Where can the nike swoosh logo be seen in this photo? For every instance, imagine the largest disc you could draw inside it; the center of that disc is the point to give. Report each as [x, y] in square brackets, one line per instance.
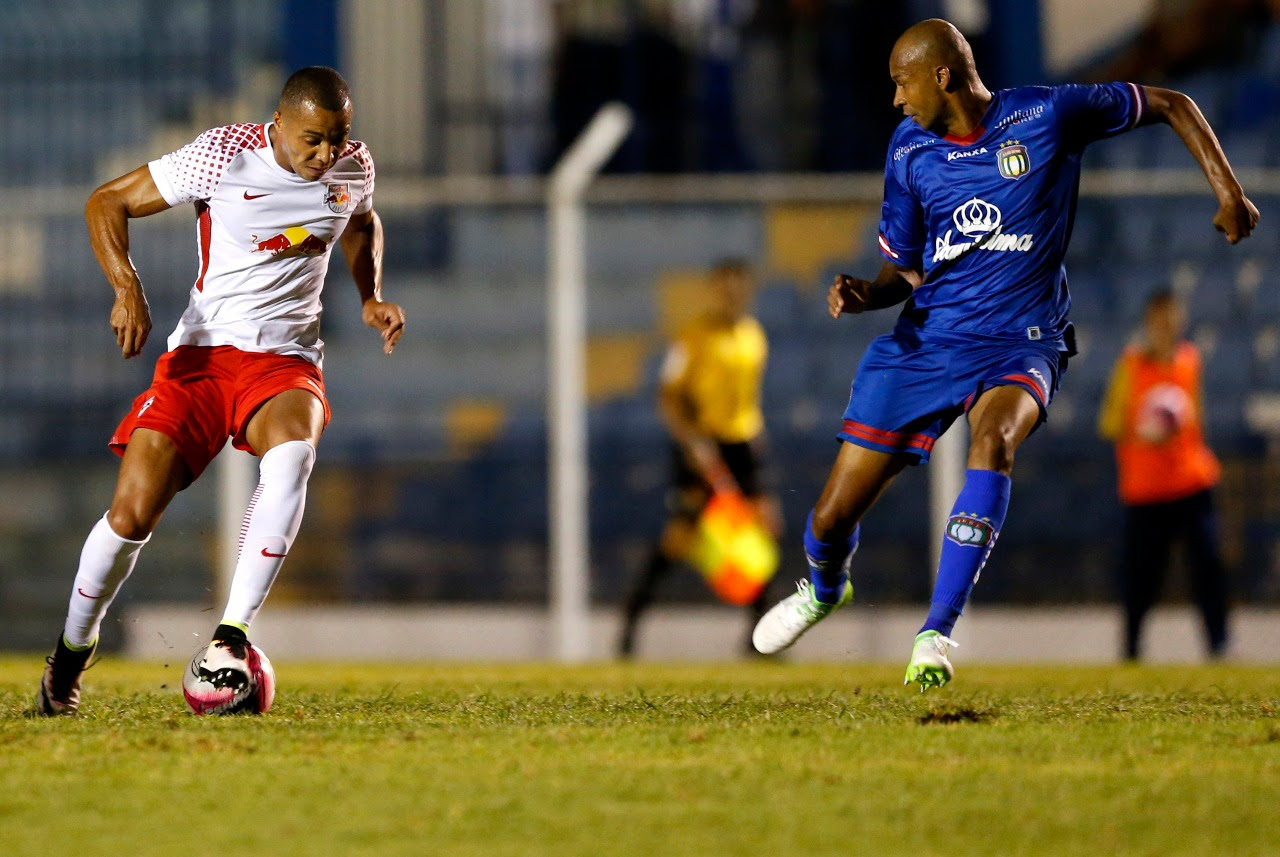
[248, 195]
[87, 595]
[268, 553]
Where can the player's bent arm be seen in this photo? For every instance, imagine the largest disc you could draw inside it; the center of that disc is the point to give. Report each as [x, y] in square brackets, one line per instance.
[362, 243]
[1114, 400]
[107, 214]
[1236, 216]
[699, 450]
[892, 286]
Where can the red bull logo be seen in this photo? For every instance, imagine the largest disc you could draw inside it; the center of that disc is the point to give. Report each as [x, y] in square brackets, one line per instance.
[295, 241]
[337, 196]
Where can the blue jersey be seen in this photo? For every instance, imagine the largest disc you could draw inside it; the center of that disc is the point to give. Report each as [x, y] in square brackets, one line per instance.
[1011, 188]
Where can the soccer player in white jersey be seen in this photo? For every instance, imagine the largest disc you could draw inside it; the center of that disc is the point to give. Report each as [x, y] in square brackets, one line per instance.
[245, 359]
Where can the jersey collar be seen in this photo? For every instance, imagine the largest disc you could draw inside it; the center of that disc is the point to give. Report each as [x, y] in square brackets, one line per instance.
[979, 130]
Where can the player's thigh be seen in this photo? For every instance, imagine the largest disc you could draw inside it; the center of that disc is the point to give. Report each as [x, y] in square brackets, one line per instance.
[152, 472]
[857, 479]
[999, 421]
[296, 414]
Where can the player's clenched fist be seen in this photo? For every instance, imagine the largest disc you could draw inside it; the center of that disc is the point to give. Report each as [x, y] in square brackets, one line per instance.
[1237, 217]
[130, 321]
[848, 294]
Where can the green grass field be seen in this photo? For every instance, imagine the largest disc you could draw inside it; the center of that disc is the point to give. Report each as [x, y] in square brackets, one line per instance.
[757, 758]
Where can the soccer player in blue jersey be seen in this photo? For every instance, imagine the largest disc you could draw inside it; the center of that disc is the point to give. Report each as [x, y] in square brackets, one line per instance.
[980, 192]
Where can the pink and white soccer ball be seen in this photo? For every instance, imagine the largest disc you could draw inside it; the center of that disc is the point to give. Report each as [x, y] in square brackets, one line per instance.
[1164, 410]
[223, 684]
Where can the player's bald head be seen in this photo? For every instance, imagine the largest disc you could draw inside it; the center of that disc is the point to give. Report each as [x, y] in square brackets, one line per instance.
[316, 85]
[936, 43]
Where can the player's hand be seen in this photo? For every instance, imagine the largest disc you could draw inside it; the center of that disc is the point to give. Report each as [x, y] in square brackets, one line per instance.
[131, 320]
[706, 460]
[848, 294]
[387, 318]
[1237, 217]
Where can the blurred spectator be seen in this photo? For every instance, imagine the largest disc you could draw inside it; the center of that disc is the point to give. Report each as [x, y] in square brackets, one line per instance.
[622, 50]
[1152, 412]
[714, 28]
[519, 36]
[1182, 36]
[855, 113]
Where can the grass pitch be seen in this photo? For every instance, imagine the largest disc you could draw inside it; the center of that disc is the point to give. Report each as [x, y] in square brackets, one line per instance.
[757, 758]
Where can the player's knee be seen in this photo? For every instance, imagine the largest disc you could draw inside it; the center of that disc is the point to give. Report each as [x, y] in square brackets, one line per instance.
[993, 448]
[131, 522]
[291, 461]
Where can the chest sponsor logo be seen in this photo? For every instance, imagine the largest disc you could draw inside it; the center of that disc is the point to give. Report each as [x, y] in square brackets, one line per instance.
[1013, 160]
[1026, 114]
[902, 151]
[981, 223]
[296, 241]
[337, 196]
[959, 154]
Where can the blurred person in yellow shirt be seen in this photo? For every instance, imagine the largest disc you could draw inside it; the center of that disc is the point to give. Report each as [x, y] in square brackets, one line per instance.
[709, 401]
[1153, 413]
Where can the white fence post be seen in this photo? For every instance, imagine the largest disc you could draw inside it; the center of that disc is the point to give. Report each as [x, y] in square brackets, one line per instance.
[569, 548]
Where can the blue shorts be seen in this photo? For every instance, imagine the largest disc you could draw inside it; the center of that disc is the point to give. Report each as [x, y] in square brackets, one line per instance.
[908, 391]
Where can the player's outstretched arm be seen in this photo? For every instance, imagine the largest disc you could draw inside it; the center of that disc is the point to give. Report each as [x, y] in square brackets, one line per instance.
[892, 286]
[1236, 216]
[362, 245]
[107, 212]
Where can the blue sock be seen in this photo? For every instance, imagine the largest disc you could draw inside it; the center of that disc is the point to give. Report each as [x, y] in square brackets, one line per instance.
[972, 529]
[826, 562]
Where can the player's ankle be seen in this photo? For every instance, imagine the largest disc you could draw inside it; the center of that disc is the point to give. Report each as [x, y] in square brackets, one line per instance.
[229, 632]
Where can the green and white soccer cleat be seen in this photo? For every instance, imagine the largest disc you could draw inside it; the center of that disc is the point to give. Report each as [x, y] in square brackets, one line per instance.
[929, 665]
[792, 616]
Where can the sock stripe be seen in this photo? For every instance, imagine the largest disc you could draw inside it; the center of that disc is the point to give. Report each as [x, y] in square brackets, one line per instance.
[248, 518]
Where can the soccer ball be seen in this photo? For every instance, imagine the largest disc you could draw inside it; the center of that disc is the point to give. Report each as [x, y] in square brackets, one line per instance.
[221, 681]
[1164, 411]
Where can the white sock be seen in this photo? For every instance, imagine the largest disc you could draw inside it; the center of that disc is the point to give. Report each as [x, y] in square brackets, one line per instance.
[270, 525]
[105, 564]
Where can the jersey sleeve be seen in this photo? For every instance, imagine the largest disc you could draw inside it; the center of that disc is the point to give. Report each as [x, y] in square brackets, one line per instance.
[361, 154]
[194, 171]
[902, 234]
[675, 364]
[1095, 112]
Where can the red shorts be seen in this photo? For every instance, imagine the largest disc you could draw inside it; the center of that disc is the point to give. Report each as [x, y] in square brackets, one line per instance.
[202, 395]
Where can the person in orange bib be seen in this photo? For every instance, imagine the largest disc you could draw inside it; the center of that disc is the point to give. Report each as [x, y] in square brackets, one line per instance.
[1152, 412]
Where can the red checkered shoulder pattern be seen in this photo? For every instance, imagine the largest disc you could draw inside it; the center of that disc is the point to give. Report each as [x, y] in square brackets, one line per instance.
[196, 168]
[359, 151]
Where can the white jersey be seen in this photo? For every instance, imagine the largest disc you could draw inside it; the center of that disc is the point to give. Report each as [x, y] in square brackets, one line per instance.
[264, 235]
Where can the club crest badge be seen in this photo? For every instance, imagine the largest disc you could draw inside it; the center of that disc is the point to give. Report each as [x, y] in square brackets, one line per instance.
[1013, 160]
[969, 530]
[337, 196]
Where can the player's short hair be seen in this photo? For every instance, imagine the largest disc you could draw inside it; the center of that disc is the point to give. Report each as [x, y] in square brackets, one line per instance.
[732, 265]
[318, 85]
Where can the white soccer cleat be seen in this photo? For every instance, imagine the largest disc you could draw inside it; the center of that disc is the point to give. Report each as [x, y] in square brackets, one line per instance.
[787, 620]
[929, 665]
[225, 664]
